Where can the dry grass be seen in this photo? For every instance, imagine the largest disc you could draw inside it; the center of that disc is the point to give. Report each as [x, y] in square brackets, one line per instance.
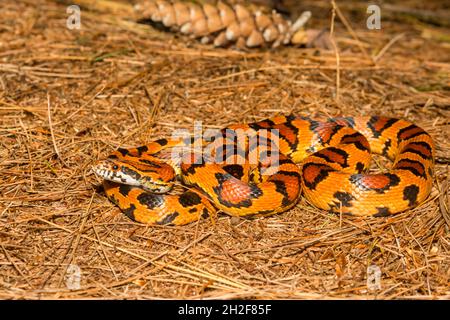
[68, 98]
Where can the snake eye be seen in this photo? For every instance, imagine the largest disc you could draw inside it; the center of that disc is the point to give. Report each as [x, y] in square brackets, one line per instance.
[115, 167]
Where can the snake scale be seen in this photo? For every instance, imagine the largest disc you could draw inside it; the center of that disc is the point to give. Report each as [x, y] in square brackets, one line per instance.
[326, 160]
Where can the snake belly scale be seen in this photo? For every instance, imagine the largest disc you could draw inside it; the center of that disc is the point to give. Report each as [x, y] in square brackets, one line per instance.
[326, 160]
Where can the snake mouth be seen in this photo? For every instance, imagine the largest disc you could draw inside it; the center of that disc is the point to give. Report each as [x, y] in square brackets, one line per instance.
[100, 171]
[111, 171]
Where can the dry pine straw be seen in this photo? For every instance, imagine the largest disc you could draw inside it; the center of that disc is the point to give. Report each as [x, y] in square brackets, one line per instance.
[68, 98]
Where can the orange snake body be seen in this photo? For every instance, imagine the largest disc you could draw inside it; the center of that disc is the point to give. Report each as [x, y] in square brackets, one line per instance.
[327, 160]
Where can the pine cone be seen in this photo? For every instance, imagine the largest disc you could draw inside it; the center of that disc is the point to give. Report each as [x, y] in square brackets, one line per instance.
[223, 24]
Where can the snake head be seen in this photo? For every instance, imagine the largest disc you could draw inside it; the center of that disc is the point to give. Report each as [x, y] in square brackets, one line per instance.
[154, 177]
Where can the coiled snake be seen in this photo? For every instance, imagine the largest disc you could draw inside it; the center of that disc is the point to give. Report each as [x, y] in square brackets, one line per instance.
[333, 158]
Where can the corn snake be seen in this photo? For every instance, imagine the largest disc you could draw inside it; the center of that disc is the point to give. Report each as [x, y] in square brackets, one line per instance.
[327, 160]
